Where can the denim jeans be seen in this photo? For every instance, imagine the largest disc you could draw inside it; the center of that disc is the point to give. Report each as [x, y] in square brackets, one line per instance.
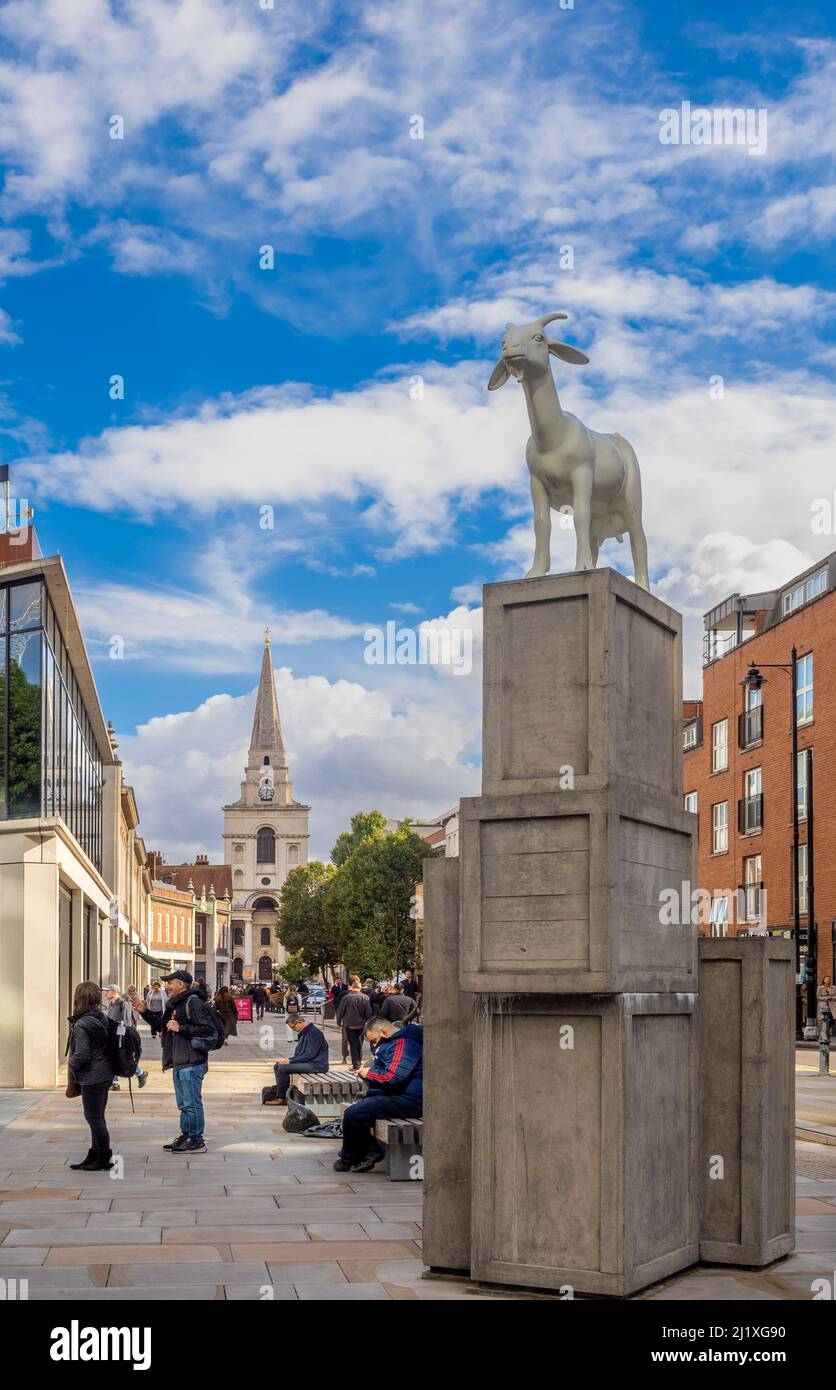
[187, 1087]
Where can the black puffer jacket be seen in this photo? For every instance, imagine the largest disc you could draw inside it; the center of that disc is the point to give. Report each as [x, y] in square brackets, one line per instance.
[88, 1058]
[192, 1013]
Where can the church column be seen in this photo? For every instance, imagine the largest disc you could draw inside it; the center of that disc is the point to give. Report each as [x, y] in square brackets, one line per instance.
[249, 963]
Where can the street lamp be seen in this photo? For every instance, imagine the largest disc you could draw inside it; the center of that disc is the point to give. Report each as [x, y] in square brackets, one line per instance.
[753, 680]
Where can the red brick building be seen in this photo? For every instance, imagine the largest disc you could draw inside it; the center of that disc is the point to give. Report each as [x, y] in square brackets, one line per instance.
[738, 760]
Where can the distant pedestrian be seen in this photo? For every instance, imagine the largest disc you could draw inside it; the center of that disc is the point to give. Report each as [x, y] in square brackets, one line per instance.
[826, 1002]
[410, 984]
[89, 1066]
[186, 1021]
[394, 1005]
[259, 1000]
[354, 1011]
[225, 1005]
[155, 1002]
[122, 1010]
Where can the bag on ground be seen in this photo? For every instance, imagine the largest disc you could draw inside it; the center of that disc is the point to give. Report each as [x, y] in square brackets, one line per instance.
[298, 1118]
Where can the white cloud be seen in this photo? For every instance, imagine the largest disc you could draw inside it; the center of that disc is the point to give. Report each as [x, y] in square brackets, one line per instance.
[349, 749]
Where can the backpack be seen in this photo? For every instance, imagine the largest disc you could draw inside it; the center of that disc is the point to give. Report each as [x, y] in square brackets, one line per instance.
[124, 1047]
[218, 1023]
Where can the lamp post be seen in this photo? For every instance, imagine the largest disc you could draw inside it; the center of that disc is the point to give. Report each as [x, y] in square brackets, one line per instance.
[753, 680]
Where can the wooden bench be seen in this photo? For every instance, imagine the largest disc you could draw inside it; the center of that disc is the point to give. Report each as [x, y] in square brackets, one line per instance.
[325, 1092]
[402, 1139]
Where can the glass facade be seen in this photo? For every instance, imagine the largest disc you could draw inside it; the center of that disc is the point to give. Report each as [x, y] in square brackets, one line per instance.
[49, 762]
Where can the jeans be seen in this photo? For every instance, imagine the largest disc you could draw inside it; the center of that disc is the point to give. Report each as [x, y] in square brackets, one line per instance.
[187, 1092]
[285, 1072]
[358, 1121]
[93, 1103]
[355, 1045]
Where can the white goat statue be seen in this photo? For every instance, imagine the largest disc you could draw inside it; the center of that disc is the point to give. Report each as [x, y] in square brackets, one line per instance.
[597, 475]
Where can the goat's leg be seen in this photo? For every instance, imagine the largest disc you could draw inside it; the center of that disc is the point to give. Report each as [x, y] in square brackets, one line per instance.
[542, 529]
[582, 509]
[638, 545]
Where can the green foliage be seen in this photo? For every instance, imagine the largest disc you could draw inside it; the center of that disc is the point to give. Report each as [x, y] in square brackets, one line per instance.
[24, 744]
[294, 968]
[364, 825]
[302, 928]
[370, 901]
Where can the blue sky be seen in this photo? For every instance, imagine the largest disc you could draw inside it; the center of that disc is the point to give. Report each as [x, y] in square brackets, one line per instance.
[394, 258]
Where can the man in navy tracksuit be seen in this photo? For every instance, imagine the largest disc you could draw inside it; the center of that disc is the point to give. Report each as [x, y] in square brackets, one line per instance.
[310, 1054]
[396, 1092]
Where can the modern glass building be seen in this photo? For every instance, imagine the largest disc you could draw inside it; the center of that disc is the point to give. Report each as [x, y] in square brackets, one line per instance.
[50, 764]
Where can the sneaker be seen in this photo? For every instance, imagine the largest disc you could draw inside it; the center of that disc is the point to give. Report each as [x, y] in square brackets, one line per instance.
[142, 1078]
[366, 1164]
[177, 1144]
[192, 1146]
[115, 1086]
[340, 1166]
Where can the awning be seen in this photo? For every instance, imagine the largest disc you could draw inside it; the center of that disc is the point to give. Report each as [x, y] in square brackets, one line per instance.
[150, 960]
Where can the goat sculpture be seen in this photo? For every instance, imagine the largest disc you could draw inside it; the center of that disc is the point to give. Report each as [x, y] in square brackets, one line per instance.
[570, 465]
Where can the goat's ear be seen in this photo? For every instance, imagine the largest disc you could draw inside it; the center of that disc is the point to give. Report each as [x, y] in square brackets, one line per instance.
[569, 354]
[499, 376]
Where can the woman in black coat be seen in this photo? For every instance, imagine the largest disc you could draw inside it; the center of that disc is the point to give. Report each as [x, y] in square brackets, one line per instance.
[225, 1005]
[91, 1068]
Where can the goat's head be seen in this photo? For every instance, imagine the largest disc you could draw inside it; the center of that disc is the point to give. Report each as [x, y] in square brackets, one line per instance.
[525, 352]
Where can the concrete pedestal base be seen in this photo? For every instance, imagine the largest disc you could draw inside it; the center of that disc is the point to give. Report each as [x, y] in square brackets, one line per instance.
[747, 1086]
[585, 1134]
[448, 1050]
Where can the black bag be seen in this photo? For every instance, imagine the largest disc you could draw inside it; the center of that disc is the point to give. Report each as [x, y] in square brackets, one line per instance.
[298, 1118]
[269, 1093]
[124, 1047]
[219, 1024]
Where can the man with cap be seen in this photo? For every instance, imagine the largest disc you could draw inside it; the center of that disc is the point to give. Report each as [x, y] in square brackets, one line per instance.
[186, 1021]
[119, 1007]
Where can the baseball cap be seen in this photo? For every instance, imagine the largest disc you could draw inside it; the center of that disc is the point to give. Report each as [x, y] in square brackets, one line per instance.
[179, 975]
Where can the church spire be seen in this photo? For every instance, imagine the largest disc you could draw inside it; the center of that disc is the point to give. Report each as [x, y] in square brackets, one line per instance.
[266, 738]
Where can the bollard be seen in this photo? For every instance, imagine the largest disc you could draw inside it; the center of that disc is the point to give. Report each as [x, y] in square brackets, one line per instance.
[824, 1045]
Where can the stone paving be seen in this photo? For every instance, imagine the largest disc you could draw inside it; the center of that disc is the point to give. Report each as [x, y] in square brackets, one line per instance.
[262, 1214]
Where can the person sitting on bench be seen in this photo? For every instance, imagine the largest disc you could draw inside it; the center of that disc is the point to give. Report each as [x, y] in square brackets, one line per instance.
[311, 1054]
[396, 1092]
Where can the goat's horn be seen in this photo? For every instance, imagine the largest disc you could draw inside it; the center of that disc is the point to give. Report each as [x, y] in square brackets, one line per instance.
[547, 318]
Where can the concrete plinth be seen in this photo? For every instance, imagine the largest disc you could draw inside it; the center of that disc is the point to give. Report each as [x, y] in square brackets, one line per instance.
[581, 671]
[563, 892]
[585, 1140]
[447, 1075]
[747, 1082]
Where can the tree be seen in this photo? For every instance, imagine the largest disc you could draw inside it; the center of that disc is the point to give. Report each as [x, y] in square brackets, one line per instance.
[364, 825]
[302, 928]
[370, 902]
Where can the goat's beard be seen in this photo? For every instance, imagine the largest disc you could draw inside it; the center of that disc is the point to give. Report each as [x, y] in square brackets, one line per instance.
[516, 370]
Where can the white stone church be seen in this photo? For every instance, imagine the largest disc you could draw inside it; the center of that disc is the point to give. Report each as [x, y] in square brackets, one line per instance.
[265, 836]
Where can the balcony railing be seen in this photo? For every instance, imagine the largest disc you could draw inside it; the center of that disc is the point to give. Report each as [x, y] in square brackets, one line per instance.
[750, 727]
[717, 644]
[750, 814]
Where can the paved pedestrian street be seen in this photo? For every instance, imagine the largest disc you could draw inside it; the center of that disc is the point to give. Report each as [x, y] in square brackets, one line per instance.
[263, 1215]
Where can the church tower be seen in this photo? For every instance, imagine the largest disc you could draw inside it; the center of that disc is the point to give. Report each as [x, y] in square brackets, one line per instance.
[265, 836]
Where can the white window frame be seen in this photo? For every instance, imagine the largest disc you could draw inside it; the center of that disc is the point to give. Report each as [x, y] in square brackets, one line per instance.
[720, 746]
[719, 915]
[720, 827]
[752, 879]
[805, 592]
[804, 695]
[692, 802]
[801, 778]
[689, 736]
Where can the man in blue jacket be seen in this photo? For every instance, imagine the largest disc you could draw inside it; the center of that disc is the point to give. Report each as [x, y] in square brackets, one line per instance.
[310, 1054]
[396, 1092]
